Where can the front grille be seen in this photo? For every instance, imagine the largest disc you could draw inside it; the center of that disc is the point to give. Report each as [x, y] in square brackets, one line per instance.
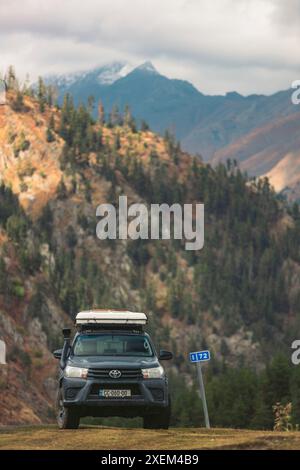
[94, 373]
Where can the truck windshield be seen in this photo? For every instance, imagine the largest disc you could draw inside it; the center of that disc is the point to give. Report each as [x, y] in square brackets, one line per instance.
[112, 345]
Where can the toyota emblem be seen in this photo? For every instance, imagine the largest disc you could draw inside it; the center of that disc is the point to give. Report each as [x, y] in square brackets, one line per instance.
[115, 374]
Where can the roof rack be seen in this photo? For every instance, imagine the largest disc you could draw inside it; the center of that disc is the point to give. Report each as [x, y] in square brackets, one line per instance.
[113, 318]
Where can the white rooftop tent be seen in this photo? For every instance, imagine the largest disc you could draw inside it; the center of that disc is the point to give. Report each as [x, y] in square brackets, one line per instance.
[110, 317]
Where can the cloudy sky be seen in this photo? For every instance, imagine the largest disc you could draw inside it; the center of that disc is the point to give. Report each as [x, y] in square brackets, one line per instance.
[218, 45]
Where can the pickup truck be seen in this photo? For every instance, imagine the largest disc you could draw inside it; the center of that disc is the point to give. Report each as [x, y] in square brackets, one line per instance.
[111, 368]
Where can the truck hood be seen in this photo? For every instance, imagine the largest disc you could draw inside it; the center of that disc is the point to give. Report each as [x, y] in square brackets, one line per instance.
[111, 362]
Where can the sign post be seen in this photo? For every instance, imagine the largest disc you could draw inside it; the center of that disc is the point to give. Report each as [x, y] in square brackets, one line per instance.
[198, 357]
[2, 352]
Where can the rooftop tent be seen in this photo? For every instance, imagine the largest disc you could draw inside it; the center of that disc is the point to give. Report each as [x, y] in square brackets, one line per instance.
[110, 317]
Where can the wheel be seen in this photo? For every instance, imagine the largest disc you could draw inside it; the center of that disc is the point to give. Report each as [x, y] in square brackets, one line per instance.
[67, 418]
[158, 421]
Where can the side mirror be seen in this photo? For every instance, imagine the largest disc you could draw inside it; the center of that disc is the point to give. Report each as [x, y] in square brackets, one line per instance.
[66, 333]
[57, 354]
[165, 355]
[66, 348]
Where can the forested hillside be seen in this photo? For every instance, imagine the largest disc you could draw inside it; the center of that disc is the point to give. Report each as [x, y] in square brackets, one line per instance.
[239, 296]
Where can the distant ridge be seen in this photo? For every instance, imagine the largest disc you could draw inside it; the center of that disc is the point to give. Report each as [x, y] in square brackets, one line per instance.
[217, 127]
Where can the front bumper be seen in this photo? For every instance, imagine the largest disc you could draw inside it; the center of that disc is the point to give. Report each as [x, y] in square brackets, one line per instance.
[147, 395]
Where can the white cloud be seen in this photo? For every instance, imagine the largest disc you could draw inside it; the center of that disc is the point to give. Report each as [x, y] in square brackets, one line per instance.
[219, 45]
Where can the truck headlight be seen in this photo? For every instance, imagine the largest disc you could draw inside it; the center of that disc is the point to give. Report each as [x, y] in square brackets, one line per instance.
[76, 372]
[153, 373]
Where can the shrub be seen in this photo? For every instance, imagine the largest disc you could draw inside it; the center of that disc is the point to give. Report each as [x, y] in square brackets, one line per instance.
[18, 290]
[16, 227]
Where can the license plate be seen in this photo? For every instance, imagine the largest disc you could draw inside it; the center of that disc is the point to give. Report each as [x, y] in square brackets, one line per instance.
[114, 393]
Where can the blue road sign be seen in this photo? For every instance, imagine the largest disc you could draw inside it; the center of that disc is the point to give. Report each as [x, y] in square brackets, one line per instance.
[200, 356]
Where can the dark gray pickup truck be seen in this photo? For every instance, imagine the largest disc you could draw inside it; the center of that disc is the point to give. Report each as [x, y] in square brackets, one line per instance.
[111, 368]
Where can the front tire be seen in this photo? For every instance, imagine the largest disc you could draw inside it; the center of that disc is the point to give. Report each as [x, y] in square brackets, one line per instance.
[159, 421]
[67, 418]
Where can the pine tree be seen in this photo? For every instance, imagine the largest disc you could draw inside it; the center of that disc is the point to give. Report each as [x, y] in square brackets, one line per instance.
[11, 80]
[51, 95]
[129, 120]
[18, 103]
[91, 104]
[27, 90]
[61, 190]
[144, 126]
[49, 135]
[52, 123]
[114, 116]
[67, 114]
[101, 113]
[41, 94]
[127, 115]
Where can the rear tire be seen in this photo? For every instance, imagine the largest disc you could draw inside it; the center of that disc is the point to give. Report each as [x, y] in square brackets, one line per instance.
[67, 418]
[158, 421]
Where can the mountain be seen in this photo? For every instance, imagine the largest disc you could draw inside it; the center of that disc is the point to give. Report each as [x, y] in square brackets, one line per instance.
[163, 103]
[272, 150]
[239, 296]
[256, 130]
[285, 176]
[237, 117]
[203, 123]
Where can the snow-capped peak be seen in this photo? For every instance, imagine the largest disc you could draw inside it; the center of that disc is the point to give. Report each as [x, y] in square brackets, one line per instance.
[147, 67]
[103, 75]
[113, 72]
[64, 80]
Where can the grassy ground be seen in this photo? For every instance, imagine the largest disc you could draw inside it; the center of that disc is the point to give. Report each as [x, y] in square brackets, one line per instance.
[102, 438]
